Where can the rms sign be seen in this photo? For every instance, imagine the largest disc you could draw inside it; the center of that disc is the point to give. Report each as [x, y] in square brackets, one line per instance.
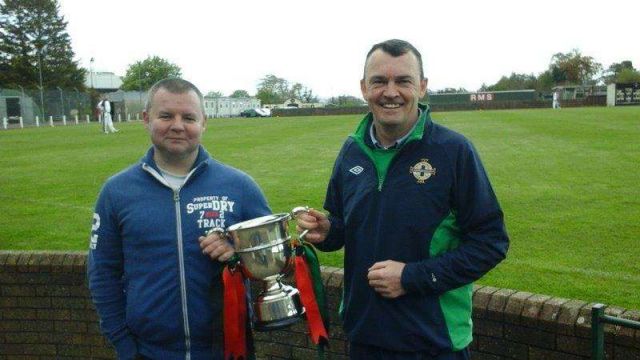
[482, 97]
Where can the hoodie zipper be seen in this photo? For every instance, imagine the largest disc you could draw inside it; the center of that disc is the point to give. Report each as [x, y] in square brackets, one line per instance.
[183, 281]
[391, 163]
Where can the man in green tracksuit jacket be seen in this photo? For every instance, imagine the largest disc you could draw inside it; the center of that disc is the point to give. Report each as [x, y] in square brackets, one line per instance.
[412, 205]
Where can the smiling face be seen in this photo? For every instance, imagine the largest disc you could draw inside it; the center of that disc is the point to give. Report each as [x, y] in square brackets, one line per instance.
[392, 86]
[175, 123]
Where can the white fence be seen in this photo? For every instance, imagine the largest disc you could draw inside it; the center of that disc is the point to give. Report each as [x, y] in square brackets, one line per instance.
[51, 121]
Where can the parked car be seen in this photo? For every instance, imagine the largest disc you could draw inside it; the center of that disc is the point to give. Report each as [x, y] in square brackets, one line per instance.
[259, 112]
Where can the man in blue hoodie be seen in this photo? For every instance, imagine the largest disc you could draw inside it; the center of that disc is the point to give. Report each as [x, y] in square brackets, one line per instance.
[411, 203]
[154, 278]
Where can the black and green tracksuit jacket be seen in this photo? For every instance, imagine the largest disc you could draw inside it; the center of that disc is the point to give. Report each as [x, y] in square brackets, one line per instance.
[430, 205]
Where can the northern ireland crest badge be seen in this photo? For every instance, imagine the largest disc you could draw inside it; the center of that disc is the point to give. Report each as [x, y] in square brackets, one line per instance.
[422, 170]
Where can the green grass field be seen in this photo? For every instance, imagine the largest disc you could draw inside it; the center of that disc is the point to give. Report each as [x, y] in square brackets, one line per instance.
[567, 181]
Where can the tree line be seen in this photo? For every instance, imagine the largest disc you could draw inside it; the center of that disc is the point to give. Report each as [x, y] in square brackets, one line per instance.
[572, 68]
[35, 50]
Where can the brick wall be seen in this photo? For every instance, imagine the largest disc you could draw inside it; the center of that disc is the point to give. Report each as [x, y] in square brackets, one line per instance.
[45, 309]
[46, 312]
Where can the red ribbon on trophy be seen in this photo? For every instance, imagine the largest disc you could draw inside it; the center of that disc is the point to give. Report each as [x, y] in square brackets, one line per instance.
[235, 314]
[305, 284]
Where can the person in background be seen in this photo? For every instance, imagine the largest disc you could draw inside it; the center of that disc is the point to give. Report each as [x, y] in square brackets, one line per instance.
[105, 113]
[556, 99]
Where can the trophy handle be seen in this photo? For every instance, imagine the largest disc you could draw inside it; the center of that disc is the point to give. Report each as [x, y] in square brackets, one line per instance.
[297, 210]
[218, 230]
[235, 259]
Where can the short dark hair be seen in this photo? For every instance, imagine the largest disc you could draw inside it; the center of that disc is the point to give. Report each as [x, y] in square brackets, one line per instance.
[174, 86]
[395, 48]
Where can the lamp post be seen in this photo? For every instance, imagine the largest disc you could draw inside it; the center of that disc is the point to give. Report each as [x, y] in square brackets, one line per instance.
[140, 85]
[21, 101]
[91, 72]
[40, 50]
[61, 101]
[92, 106]
[78, 102]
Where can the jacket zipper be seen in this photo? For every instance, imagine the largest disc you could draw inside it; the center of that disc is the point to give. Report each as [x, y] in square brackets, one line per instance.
[393, 160]
[183, 281]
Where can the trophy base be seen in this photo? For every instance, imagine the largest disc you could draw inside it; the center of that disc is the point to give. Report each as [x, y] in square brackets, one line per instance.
[277, 324]
[277, 309]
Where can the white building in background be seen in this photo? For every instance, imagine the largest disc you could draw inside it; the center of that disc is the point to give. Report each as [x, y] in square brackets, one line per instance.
[293, 103]
[130, 105]
[132, 102]
[215, 107]
[102, 81]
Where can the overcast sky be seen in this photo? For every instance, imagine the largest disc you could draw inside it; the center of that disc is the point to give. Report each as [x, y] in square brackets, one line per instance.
[232, 44]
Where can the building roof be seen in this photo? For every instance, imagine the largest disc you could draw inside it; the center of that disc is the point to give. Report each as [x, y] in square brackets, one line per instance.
[102, 80]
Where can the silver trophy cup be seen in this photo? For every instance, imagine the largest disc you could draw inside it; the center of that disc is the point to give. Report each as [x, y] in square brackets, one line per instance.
[266, 254]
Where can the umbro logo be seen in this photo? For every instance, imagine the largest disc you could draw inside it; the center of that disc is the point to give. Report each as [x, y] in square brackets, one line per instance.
[356, 170]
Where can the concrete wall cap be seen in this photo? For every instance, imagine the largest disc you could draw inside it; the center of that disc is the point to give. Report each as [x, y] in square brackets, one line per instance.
[23, 260]
[3, 257]
[515, 304]
[533, 305]
[326, 272]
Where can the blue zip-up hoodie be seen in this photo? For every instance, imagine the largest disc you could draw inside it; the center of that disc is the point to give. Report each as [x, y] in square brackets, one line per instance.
[434, 210]
[156, 293]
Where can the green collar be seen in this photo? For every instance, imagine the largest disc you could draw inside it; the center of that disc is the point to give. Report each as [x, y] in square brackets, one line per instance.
[382, 158]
